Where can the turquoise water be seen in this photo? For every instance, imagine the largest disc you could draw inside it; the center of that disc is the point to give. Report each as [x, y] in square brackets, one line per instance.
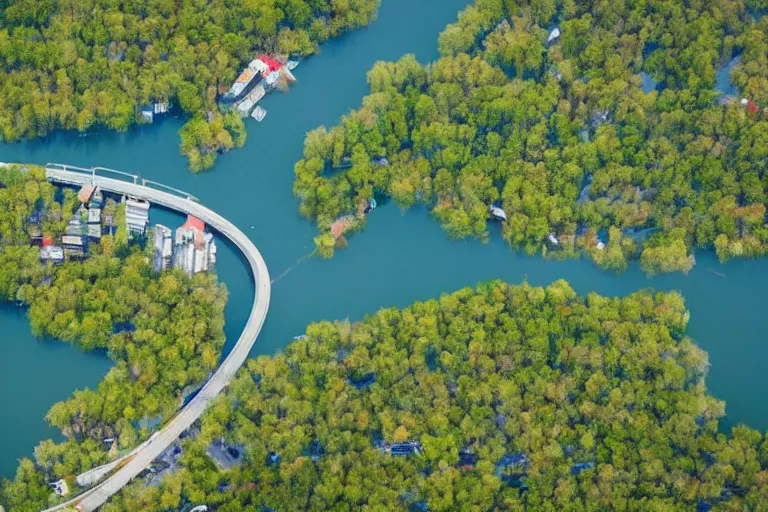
[400, 257]
[649, 84]
[34, 375]
[723, 77]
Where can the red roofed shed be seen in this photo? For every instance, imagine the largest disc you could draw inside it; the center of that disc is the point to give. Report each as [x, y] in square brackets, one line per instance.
[194, 222]
[272, 63]
[198, 229]
[47, 241]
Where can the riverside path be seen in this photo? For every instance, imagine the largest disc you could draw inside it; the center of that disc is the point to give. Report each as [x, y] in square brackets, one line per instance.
[136, 461]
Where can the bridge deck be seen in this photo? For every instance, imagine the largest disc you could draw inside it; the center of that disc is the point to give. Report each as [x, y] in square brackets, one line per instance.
[145, 453]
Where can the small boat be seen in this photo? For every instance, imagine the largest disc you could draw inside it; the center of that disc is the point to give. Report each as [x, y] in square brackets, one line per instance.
[212, 253]
[497, 212]
[291, 64]
[371, 206]
[259, 114]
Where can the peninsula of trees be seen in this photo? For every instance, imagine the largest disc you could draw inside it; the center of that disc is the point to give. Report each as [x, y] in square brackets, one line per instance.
[79, 65]
[558, 131]
[517, 398]
[164, 332]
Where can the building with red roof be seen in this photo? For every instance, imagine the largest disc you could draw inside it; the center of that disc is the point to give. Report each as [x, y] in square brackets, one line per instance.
[194, 222]
[272, 63]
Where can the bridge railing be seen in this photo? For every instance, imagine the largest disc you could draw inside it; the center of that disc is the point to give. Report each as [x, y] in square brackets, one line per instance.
[71, 168]
[166, 188]
[121, 174]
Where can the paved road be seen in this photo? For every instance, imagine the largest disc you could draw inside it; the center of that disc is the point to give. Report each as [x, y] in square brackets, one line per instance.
[144, 454]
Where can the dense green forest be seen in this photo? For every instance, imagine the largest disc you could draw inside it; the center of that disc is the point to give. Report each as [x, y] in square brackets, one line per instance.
[77, 65]
[164, 332]
[561, 134]
[520, 397]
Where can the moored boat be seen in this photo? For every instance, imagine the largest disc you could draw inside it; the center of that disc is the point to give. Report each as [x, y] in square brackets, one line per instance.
[497, 212]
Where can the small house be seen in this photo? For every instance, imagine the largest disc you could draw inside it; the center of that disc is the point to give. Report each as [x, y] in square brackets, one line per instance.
[147, 113]
[72, 242]
[35, 234]
[94, 215]
[258, 66]
[85, 194]
[75, 226]
[272, 78]
[407, 448]
[51, 253]
[136, 215]
[244, 107]
[60, 488]
[163, 248]
[94, 232]
[272, 64]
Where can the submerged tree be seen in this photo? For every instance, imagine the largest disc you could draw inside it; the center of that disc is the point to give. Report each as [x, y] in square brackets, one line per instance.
[558, 132]
[515, 397]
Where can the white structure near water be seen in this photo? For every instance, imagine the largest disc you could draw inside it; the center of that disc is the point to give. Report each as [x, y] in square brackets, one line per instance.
[136, 216]
[194, 249]
[191, 249]
[163, 248]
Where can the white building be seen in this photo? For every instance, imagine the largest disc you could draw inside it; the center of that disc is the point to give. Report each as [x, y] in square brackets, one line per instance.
[60, 488]
[195, 250]
[136, 215]
[163, 248]
[51, 253]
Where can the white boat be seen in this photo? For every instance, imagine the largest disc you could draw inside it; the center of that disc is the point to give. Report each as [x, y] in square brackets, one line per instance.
[259, 114]
[212, 253]
[291, 64]
[497, 212]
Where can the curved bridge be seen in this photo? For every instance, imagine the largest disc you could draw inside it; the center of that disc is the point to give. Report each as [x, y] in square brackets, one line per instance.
[141, 456]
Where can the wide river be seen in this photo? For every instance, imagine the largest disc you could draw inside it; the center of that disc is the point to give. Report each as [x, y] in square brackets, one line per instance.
[400, 258]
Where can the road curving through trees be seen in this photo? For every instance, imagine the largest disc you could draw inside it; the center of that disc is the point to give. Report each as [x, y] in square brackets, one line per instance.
[136, 461]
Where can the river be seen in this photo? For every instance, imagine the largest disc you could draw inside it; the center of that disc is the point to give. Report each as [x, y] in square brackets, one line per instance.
[35, 374]
[400, 258]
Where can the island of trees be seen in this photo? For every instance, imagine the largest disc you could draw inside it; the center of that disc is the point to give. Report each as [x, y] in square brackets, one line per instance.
[558, 130]
[81, 65]
[164, 332]
[496, 398]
